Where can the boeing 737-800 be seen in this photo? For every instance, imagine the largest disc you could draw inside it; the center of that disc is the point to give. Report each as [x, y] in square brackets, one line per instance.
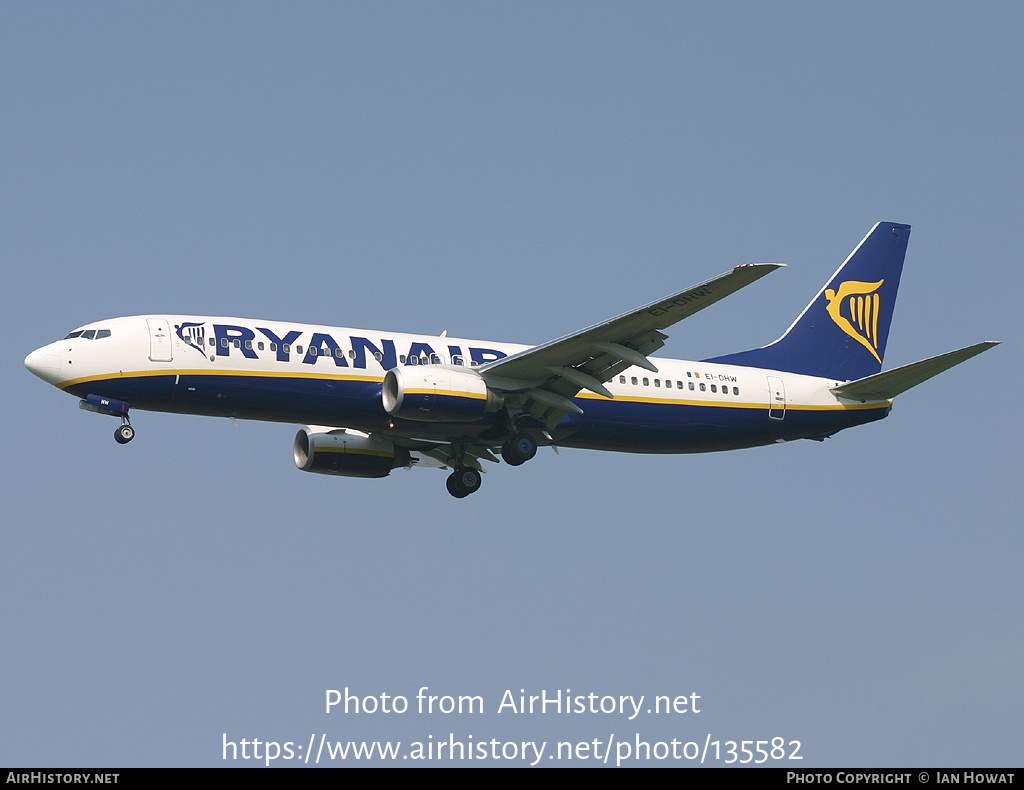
[373, 401]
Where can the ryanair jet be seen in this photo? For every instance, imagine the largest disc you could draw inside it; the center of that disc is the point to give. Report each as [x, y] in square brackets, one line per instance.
[374, 401]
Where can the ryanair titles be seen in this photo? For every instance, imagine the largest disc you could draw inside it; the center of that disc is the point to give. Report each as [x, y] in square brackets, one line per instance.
[222, 340]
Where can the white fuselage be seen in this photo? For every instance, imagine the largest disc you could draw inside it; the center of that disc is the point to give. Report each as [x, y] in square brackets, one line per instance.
[303, 373]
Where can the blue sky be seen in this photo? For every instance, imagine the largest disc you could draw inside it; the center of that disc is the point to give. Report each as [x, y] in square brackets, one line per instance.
[511, 173]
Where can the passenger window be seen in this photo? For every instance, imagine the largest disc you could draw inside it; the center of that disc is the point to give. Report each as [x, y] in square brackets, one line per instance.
[223, 342]
[237, 343]
[287, 348]
[634, 381]
[714, 388]
[259, 345]
[622, 379]
[702, 387]
[657, 382]
[735, 390]
[312, 351]
[647, 382]
[401, 358]
[248, 345]
[378, 356]
[691, 385]
[456, 360]
[213, 341]
[273, 346]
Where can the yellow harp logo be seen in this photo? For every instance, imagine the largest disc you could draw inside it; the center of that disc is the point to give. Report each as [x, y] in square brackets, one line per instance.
[859, 301]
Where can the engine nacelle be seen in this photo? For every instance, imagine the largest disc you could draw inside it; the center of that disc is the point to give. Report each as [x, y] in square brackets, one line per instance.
[341, 452]
[438, 393]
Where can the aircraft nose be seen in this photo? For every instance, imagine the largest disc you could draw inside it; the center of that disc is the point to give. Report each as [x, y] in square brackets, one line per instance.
[45, 363]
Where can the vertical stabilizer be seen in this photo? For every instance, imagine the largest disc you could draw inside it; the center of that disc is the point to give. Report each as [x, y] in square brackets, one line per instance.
[842, 333]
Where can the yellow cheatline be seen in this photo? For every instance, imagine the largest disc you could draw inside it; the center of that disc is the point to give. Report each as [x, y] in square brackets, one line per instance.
[475, 396]
[449, 393]
[739, 404]
[353, 451]
[207, 373]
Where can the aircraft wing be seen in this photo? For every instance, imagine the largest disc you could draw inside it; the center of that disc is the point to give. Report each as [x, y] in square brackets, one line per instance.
[548, 376]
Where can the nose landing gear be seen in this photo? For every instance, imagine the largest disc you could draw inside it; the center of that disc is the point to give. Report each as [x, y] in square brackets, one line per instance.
[116, 408]
[124, 433]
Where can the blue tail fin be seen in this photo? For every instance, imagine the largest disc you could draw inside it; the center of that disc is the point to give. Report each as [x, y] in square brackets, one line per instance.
[841, 334]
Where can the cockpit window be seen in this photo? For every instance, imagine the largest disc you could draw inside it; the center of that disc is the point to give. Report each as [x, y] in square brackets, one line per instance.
[89, 334]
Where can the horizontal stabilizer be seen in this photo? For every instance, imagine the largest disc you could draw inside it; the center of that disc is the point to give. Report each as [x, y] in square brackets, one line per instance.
[887, 385]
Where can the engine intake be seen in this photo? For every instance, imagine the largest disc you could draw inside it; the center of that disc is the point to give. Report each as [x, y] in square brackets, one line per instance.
[438, 393]
[341, 452]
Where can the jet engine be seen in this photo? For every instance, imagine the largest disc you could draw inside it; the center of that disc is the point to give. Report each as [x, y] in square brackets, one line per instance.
[438, 393]
[349, 453]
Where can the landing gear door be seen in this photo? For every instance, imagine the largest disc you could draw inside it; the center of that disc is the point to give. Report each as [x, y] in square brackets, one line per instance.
[159, 339]
[776, 398]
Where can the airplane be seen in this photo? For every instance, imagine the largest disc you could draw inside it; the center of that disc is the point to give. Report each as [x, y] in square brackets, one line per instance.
[374, 401]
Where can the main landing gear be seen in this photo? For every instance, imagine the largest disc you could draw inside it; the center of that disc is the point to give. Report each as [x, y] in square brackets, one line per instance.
[465, 479]
[519, 449]
[463, 482]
